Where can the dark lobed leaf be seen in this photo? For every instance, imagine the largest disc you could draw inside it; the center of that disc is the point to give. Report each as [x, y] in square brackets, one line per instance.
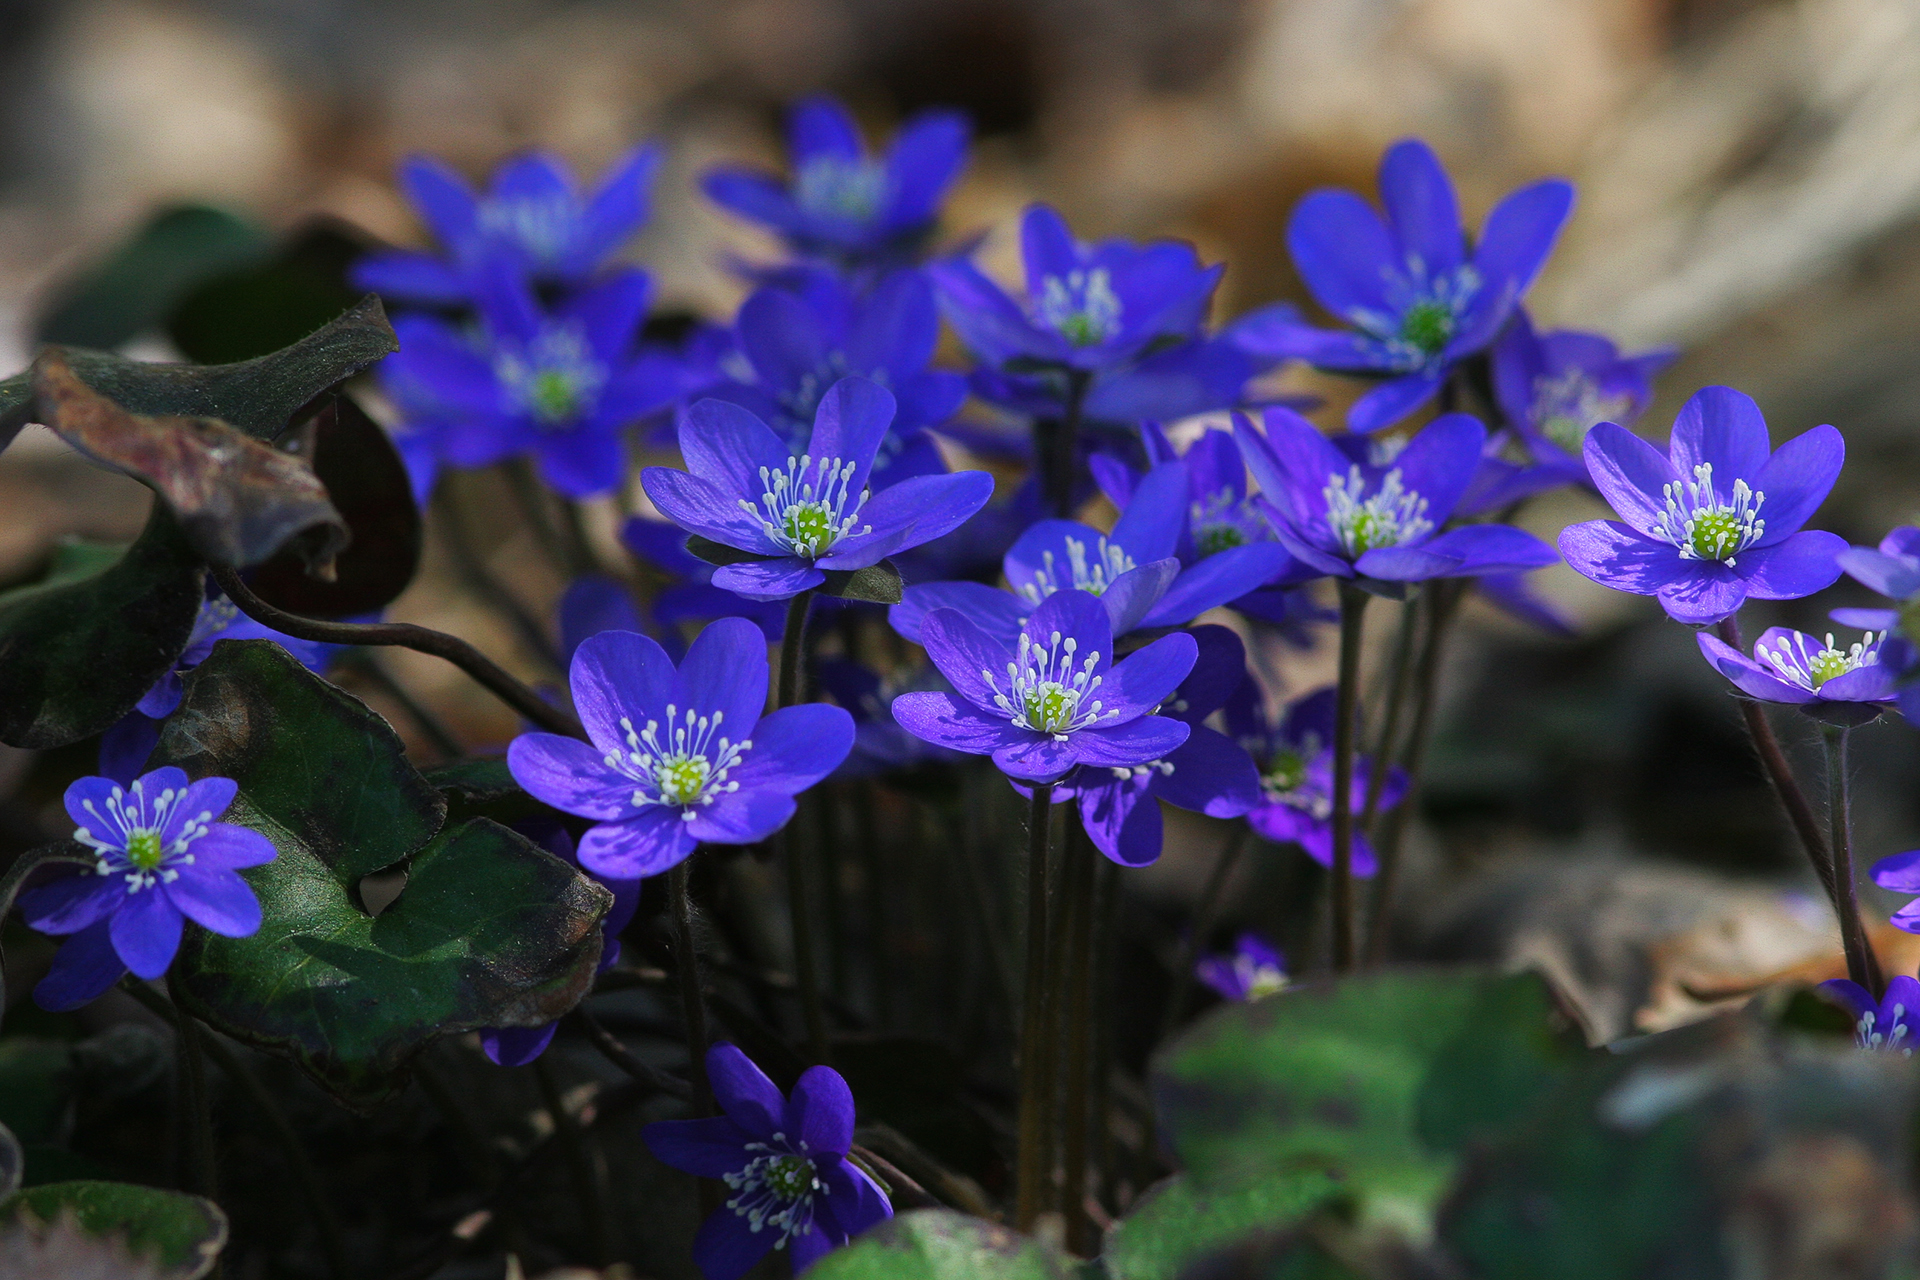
[81, 647]
[259, 396]
[876, 584]
[258, 305]
[939, 1244]
[369, 486]
[489, 931]
[136, 287]
[183, 1233]
[484, 788]
[719, 553]
[237, 499]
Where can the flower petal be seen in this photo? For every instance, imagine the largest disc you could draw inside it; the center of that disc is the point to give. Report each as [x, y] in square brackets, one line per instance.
[516, 1046]
[619, 206]
[741, 817]
[1211, 774]
[744, 1092]
[1804, 563]
[779, 579]
[996, 612]
[1713, 593]
[646, 844]
[820, 1111]
[704, 508]
[1394, 399]
[1514, 243]
[1075, 614]
[1421, 208]
[1136, 742]
[1614, 555]
[1038, 758]
[84, 967]
[928, 507]
[794, 747]
[619, 674]
[72, 902]
[725, 1248]
[570, 775]
[852, 419]
[725, 675]
[727, 446]
[1900, 872]
[1897, 577]
[233, 847]
[1631, 475]
[1724, 429]
[1137, 593]
[1797, 479]
[705, 1148]
[971, 660]
[1150, 526]
[1342, 252]
[1748, 675]
[215, 899]
[819, 126]
[1849, 995]
[1122, 820]
[1147, 677]
[146, 933]
[858, 1203]
[947, 720]
[1492, 548]
[88, 803]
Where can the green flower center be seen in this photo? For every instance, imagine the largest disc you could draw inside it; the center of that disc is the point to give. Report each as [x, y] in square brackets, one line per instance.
[1392, 517]
[1284, 774]
[1081, 307]
[1705, 528]
[809, 526]
[1218, 537]
[553, 396]
[788, 1177]
[682, 779]
[1427, 326]
[144, 850]
[1050, 706]
[1713, 532]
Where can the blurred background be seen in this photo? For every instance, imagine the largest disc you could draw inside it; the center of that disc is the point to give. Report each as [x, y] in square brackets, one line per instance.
[1749, 178]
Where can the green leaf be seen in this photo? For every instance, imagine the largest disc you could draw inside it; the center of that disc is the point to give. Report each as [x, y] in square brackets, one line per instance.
[489, 931]
[1175, 1224]
[1377, 1079]
[261, 306]
[185, 1232]
[133, 289]
[876, 584]
[259, 396]
[484, 789]
[719, 553]
[79, 649]
[939, 1244]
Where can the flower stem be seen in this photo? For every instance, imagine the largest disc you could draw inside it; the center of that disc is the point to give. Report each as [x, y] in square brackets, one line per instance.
[806, 972]
[693, 1007]
[1399, 668]
[1353, 604]
[1079, 874]
[793, 649]
[1058, 447]
[1033, 1160]
[483, 669]
[1860, 966]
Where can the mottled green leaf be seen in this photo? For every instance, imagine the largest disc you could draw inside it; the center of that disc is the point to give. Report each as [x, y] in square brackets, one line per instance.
[489, 931]
[876, 584]
[939, 1244]
[1175, 1224]
[185, 1233]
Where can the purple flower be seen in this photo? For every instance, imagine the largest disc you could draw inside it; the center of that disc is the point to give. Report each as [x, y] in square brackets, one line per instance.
[842, 204]
[880, 745]
[1716, 519]
[677, 756]
[561, 385]
[1251, 970]
[1901, 873]
[801, 517]
[784, 1161]
[1163, 382]
[1055, 698]
[1372, 509]
[689, 594]
[1295, 758]
[1208, 773]
[799, 341]
[1087, 307]
[1892, 569]
[1841, 686]
[1417, 301]
[532, 220]
[1886, 1024]
[160, 858]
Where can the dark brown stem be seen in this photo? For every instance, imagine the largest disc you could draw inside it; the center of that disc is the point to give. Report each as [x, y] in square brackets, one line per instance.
[1400, 667]
[479, 580]
[483, 669]
[624, 1058]
[1353, 604]
[1860, 959]
[793, 662]
[1058, 448]
[1033, 1160]
[693, 1007]
[203, 1176]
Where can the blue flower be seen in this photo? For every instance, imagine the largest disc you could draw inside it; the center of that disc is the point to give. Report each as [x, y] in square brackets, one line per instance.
[1886, 1024]
[800, 517]
[799, 341]
[1295, 758]
[880, 745]
[1716, 518]
[161, 859]
[1892, 569]
[1208, 773]
[1252, 970]
[560, 385]
[784, 1160]
[1163, 382]
[1901, 873]
[1087, 307]
[1373, 509]
[1840, 686]
[1052, 700]
[677, 756]
[1417, 300]
[532, 220]
[842, 204]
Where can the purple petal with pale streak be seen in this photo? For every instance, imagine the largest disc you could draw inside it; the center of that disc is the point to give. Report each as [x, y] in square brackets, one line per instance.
[1493, 548]
[947, 720]
[1747, 675]
[570, 775]
[146, 933]
[1148, 676]
[1804, 563]
[725, 673]
[971, 660]
[84, 967]
[1123, 821]
[706, 509]
[1613, 555]
[215, 899]
[71, 903]
[1420, 206]
[1406, 564]
[616, 674]
[1439, 462]
[998, 613]
[1394, 399]
[232, 847]
[728, 446]
[1148, 738]
[768, 579]
[1899, 872]
[852, 419]
[795, 747]
[1133, 595]
[1711, 594]
[1797, 479]
[1342, 252]
[1038, 758]
[741, 817]
[1150, 526]
[645, 845]
[1894, 576]
[1631, 475]
[1211, 775]
[1724, 429]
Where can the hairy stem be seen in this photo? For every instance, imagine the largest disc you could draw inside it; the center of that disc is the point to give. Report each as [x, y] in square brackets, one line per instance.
[624, 1058]
[1860, 964]
[488, 673]
[1353, 604]
[1033, 1161]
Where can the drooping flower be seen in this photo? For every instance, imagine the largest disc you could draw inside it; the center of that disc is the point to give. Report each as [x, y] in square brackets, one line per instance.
[1716, 519]
[1053, 699]
[677, 756]
[801, 337]
[1208, 773]
[1359, 508]
[1841, 686]
[1886, 1024]
[1087, 307]
[1295, 758]
[842, 204]
[800, 517]
[1417, 300]
[1252, 970]
[160, 859]
[784, 1160]
[532, 220]
[561, 384]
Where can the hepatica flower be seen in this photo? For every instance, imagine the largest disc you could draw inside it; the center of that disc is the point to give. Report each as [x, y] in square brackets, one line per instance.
[1714, 520]
[841, 203]
[160, 858]
[784, 1160]
[532, 219]
[1252, 970]
[560, 385]
[1052, 700]
[1295, 758]
[1087, 307]
[797, 518]
[1886, 1024]
[677, 756]
[1847, 686]
[1208, 773]
[1378, 515]
[1416, 300]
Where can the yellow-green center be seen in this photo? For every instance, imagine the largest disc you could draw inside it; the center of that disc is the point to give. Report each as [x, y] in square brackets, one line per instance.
[1715, 534]
[1373, 529]
[1285, 773]
[553, 396]
[682, 779]
[808, 525]
[1081, 329]
[1427, 326]
[1050, 706]
[1827, 664]
[144, 850]
[1219, 537]
[788, 1177]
